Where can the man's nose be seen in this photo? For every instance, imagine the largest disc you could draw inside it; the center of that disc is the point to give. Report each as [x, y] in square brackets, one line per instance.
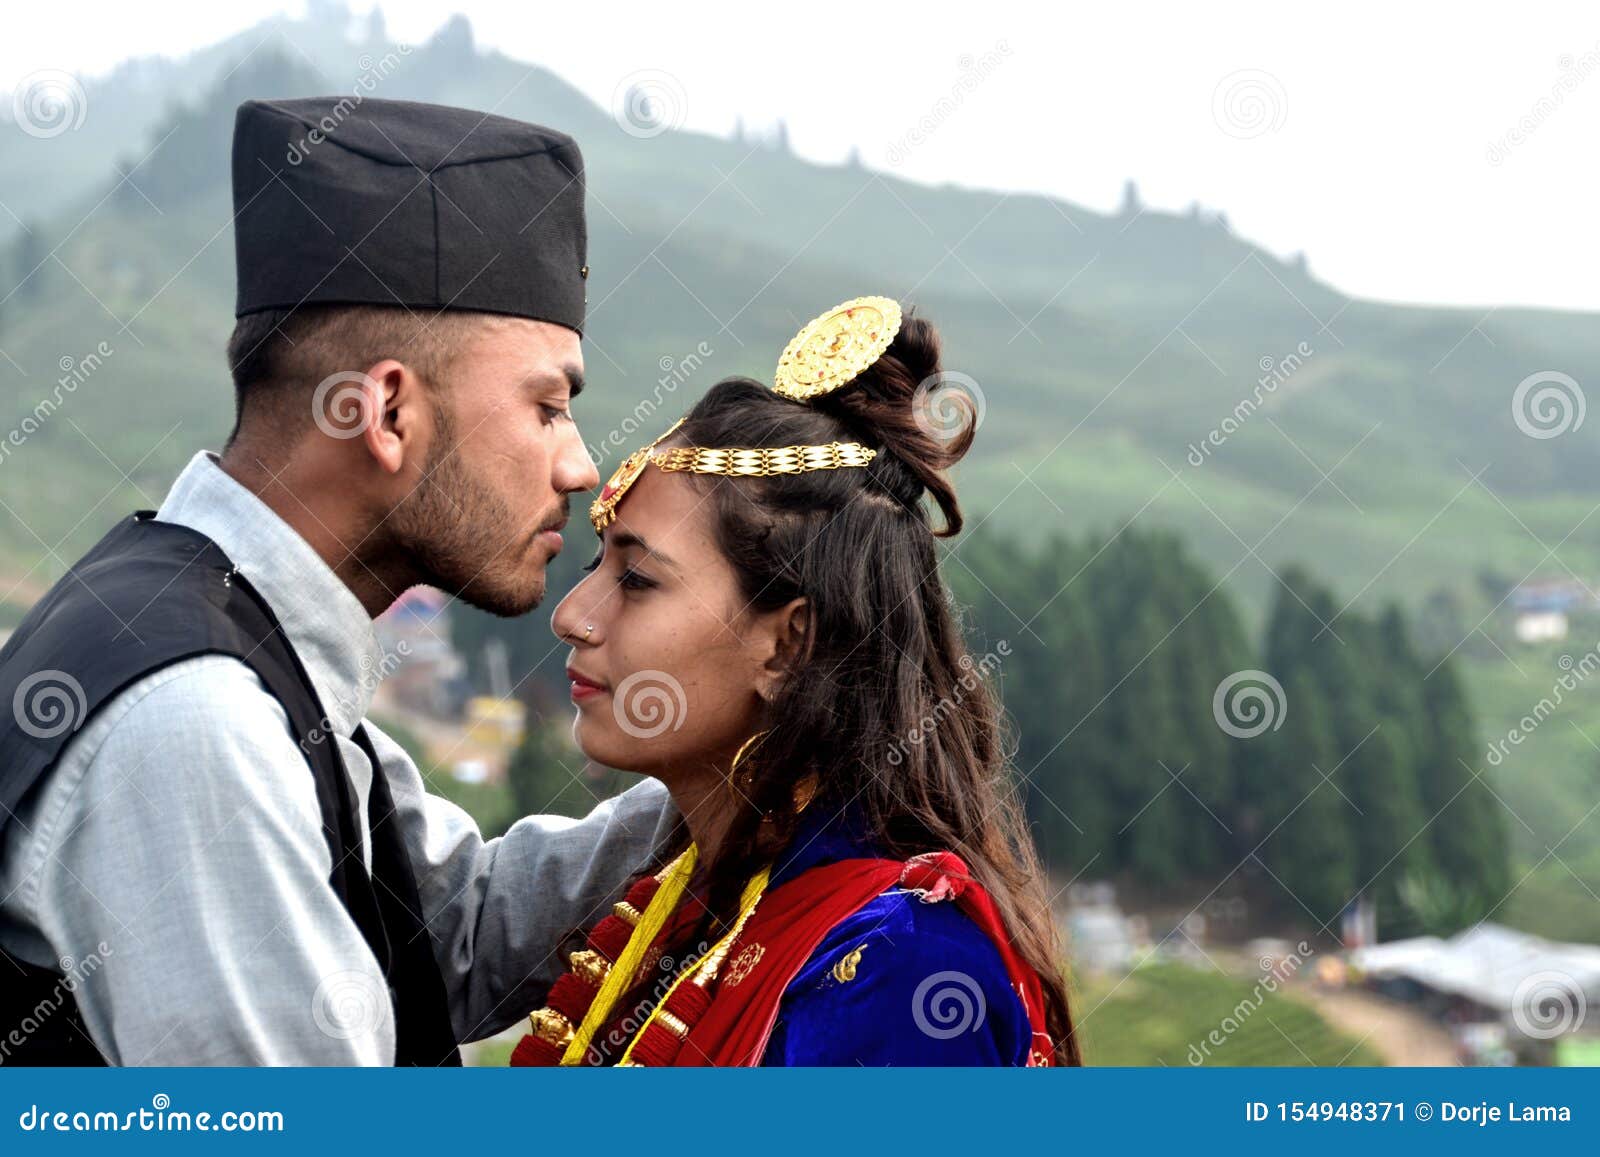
[577, 470]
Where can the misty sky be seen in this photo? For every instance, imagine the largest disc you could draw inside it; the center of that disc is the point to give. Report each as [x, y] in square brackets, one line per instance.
[1445, 156]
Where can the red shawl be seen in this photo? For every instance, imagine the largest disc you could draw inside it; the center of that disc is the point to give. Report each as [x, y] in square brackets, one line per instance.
[792, 920]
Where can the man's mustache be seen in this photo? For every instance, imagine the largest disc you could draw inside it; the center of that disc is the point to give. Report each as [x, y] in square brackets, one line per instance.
[563, 514]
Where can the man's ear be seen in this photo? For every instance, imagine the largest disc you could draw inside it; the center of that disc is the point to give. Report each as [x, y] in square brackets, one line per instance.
[791, 644]
[397, 417]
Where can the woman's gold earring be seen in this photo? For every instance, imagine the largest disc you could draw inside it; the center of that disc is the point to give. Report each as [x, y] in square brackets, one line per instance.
[738, 780]
[804, 792]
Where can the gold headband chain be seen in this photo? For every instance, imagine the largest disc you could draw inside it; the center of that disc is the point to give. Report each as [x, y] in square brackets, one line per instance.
[831, 351]
[763, 461]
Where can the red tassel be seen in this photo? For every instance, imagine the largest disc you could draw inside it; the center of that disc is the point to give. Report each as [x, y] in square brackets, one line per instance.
[532, 1051]
[656, 1047]
[689, 1002]
[610, 937]
[643, 891]
[571, 996]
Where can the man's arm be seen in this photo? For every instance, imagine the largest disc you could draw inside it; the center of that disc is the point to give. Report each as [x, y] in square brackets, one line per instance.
[182, 831]
[498, 909]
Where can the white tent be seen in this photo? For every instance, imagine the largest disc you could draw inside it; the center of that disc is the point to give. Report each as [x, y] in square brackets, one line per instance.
[1489, 964]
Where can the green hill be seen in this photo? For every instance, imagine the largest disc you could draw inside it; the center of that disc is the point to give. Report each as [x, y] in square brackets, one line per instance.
[1105, 346]
[1386, 453]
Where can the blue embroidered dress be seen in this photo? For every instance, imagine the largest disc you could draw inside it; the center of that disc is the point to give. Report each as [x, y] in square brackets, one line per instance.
[901, 982]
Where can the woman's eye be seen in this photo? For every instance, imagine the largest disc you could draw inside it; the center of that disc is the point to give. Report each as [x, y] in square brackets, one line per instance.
[630, 579]
[555, 414]
[634, 581]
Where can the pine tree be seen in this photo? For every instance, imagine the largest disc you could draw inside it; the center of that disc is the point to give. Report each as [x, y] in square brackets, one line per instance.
[1206, 647]
[1153, 812]
[1389, 827]
[1048, 684]
[1066, 752]
[1131, 205]
[1394, 793]
[1305, 844]
[1469, 838]
[27, 273]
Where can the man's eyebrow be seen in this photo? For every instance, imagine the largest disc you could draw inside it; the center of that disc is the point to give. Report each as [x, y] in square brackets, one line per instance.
[622, 539]
[570, 374]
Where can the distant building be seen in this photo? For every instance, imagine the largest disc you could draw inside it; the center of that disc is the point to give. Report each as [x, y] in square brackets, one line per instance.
[1497, 988]
[1099, 935]
[1541, 626]
[420, 667]
[1541, 608]
[495, 721]
[1560, 594]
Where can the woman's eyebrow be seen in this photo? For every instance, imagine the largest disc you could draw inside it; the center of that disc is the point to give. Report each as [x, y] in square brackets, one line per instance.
[623, 539]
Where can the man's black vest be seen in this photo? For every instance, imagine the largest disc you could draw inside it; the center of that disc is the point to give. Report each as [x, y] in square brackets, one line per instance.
[148, 595]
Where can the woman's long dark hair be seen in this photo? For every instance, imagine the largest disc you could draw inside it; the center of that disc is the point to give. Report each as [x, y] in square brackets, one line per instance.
[884, 708]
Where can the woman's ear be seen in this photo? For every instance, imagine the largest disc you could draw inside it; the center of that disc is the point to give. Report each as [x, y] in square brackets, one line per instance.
[791, 643]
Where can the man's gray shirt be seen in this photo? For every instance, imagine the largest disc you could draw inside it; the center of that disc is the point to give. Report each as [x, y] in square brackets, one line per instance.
[174, 867]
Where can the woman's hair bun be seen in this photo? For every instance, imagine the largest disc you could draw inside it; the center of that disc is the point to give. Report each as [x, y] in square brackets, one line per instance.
[922, 418]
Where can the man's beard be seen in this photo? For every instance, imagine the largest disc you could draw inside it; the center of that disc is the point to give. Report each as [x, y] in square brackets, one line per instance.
[452, 528]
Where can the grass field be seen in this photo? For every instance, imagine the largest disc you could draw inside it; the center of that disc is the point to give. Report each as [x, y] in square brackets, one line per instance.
[1165, 1014]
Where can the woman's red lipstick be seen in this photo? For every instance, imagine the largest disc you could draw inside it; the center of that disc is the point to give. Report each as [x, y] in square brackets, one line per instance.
[582, 686]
